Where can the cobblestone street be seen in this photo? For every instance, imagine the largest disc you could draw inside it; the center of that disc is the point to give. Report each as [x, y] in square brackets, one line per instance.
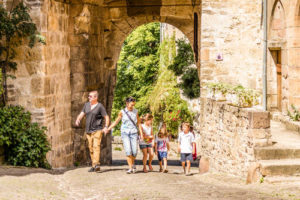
[113, 183]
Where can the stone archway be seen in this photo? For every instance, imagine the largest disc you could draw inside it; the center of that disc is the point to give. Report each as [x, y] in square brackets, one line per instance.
[84, 38]
[97, 33]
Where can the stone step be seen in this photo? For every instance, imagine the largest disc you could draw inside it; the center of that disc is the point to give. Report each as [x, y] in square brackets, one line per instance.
[282, 179]
[285, 167]
[273, 153]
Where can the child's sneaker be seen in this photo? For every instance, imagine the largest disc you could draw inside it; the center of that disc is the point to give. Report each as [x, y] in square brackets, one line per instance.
[188, 174]
[134, 169]
[129, 171]
[165, 171]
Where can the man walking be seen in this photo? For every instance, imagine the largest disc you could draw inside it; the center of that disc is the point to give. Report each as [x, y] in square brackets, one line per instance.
[95, 113]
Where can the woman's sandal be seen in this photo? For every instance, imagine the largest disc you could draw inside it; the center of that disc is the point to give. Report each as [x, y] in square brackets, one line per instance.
[160, 170]
[145, 170]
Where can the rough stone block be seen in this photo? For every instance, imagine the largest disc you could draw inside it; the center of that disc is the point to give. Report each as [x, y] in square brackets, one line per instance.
[259, 119]
[203, 165]
[260, 133]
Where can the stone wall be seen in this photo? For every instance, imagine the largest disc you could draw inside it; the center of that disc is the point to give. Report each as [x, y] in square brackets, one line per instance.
[89, 71]
[43, 79]
[229, 134]
[232, 28]
[57, 89]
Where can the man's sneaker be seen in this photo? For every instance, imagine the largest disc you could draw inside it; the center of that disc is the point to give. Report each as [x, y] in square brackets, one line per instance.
[92, 169]
[129, 171]
[97, 168]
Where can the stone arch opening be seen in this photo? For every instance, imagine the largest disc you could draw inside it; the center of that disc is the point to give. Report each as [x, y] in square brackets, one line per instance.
[166, 31]
[276, 60]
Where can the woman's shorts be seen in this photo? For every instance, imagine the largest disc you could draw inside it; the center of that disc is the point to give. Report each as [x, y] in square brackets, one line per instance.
[130, 143]
[161, 155]
[143, 146]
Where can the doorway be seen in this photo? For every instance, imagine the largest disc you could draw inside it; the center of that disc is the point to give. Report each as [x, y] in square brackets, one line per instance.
[277, 65]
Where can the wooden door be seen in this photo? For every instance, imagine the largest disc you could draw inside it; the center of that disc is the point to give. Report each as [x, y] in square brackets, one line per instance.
[279, 79]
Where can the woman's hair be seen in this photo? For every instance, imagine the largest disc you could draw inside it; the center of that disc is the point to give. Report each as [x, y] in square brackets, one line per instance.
[146, 117]
[163, 131]
[130, 99]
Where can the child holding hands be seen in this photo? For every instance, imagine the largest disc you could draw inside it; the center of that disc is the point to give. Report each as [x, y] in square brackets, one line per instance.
[146, 137]
[186, 147]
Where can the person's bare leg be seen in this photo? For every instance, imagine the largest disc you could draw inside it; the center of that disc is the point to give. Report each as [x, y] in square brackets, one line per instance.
[183, 166]
[188, 166]
[165, 163]
[160, 166]
[133, 161]
[145, 155]
[129, 162]
[150, 151]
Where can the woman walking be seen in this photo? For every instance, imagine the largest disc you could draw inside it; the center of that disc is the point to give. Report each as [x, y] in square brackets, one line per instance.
[129, 131]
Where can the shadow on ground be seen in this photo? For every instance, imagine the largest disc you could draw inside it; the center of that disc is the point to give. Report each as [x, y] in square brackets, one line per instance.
[8, 170]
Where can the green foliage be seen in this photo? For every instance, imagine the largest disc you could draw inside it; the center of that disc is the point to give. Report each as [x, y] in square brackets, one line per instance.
[190, 83]
[1, 88]
[143, 73]
[294, 114]
[181, 66]
[25, 143]
[164, 100]
[243, 97]
[183, 59]
[15, 27]
[137, 68]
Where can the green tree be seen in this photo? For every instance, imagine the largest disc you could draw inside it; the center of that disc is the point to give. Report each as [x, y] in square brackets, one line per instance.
[181, 66]
[15, 27]
[137, 68]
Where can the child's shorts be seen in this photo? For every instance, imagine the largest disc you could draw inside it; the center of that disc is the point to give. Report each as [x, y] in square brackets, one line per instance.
[186, 156]
[161, 155]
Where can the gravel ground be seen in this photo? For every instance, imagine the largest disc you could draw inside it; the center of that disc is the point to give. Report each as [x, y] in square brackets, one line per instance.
[113, 183]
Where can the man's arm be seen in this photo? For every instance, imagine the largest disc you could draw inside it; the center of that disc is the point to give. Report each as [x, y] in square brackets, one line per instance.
[106, 124]
[79, 118]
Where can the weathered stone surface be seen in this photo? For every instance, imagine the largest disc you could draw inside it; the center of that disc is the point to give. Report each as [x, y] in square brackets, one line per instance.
[226, 137]
[259, 119]
[253, 175]
[203, 165]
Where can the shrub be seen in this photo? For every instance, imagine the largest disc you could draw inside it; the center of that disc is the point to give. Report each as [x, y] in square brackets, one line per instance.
[25, 143]
[294, 114]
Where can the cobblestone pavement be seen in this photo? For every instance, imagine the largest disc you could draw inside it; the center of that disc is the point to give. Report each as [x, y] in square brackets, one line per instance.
[113, 183]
